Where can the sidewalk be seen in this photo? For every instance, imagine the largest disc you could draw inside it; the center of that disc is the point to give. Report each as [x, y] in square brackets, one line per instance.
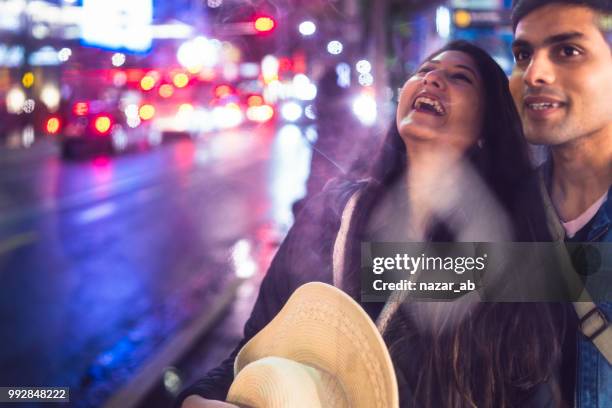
[206, 349]
[132, 393]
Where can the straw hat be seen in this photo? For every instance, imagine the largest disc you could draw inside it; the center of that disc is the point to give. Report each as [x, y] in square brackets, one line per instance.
[321, 350]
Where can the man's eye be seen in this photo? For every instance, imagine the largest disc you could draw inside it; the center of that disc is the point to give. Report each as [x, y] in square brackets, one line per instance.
[569, 51]
[521, 55]
[424, 70]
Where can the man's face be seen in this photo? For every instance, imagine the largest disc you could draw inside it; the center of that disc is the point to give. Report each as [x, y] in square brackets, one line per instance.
[562, 81]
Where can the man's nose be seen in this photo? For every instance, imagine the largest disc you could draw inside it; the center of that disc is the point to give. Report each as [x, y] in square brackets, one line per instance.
[434, 78]
[540, 71]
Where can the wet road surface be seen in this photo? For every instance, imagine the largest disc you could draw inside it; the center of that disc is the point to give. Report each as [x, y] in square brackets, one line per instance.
[103, 260]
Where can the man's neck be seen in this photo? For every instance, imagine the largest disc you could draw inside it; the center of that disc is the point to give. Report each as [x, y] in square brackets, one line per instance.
[582, 173]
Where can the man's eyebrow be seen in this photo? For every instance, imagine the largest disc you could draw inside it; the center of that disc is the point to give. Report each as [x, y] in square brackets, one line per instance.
[553, 39]
[521, 44]
[557, 38]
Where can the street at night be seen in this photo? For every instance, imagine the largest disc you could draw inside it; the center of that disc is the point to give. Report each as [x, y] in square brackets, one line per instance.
[104, 260]
[298, 204]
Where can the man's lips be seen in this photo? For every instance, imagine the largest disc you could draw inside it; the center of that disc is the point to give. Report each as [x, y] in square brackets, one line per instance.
[541, 105]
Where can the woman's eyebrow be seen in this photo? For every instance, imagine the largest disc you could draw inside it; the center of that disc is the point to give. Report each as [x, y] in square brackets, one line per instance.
[432, 61]
[467, 68]
[429, 62]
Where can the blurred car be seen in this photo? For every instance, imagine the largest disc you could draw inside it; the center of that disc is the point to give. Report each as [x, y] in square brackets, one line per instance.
[257, 110]
[195, 107]
[91, 127]
[180, 106]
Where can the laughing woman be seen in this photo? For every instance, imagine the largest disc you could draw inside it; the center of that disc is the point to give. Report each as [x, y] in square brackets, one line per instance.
[454, 167]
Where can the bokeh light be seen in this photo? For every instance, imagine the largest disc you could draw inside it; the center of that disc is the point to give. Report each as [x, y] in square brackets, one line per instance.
[102, 124]
[363, 66]
[64, 54]
[146, 111]
[53, 125]
[166, 91]
[264, 24]
[28, 79]
[334, 47]
[307, 28]
[147, 83]
[180, 80]
[118, 59]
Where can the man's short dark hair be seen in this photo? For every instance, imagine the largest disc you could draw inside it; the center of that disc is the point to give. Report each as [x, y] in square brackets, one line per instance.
[520, 8]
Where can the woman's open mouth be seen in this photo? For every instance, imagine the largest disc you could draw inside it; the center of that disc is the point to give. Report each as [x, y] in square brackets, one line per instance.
[428, 104]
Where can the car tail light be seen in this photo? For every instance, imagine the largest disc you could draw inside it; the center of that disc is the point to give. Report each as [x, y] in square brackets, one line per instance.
[185, 108]
[102, 124]
[166, 90]
[223, 90]
[260, 113]
[146, 112]
[255, 100]
[227, 116]
[180, 80]
[53, 124]
[264, 24]
[80, 108]
[147, 82]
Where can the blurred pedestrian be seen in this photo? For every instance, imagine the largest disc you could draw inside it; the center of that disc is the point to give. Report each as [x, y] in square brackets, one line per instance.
[341, 137]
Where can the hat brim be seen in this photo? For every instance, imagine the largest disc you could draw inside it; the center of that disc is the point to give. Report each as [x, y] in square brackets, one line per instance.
[276, 382]
[322, 327]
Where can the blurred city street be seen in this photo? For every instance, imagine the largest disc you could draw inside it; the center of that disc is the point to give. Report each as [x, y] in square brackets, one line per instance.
[151, 153]
[102, 261]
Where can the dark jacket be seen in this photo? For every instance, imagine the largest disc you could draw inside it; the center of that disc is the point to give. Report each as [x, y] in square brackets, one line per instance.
[304, 256]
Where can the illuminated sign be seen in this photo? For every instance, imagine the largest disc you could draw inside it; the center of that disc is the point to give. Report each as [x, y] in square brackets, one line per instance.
[45, 56]
[478, 4]
[11, 12]
[118, 24]
[480, 18]
[11, 56]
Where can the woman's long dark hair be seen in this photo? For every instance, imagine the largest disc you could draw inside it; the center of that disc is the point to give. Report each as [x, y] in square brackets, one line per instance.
[501, 350]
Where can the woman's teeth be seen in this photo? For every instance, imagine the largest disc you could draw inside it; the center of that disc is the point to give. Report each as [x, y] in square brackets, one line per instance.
[423, 102]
